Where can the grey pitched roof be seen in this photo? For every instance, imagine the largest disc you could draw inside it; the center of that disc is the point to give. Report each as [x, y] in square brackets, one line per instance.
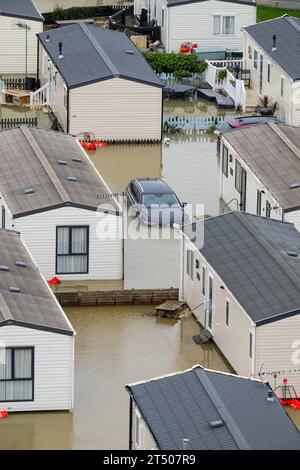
[92, 54]
[35, 305]
[287, 31]
[272, 151]
[250, 254]
[174, 3]
[183, 406]
[20, 9]
[29, 159]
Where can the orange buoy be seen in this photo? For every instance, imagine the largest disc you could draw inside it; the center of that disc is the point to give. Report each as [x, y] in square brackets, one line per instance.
[3, 414]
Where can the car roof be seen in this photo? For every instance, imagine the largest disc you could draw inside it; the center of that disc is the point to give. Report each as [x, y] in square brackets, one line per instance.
[153, 185]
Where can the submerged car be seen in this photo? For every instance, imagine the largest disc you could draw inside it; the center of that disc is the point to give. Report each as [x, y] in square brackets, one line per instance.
[154, 202]
[239, 122]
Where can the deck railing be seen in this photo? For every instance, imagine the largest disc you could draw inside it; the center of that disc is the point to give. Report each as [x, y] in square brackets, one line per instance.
[40, 97]
[234, 87]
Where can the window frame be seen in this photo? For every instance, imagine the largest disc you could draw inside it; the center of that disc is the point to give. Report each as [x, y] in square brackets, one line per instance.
[221, 25]
[23, 379]
[258, 202]
[255, 58]
[70, 227]
[162, 16]
[65, 97]
[268, 209]
[268, 72]
[250, 345]
[238, 176]
[282, 87]
[225, 161]
[3, 217]
[227, 313]
[203, 287]
[190, 263]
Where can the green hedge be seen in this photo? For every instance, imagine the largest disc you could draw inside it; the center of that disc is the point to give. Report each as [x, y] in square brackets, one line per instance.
[265, 12]
[79, 13]
[180, 64]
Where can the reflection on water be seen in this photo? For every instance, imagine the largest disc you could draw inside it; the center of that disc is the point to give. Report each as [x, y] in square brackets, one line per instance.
[114, 346]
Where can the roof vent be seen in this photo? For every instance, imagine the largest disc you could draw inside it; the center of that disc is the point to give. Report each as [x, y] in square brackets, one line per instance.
[185, 444]
[60, 54]
[20, 264]
[274, 38]
[4, 268]
[270, 396]
[62, 162]
[216, 424]
[47, 38]
[77, 159]
[294, 254]
[16, 290]
[28, 191]
[294, 185]
[72, 178]
[129, 52]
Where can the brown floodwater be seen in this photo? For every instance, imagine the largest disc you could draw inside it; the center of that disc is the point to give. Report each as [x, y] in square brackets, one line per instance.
[114, 346]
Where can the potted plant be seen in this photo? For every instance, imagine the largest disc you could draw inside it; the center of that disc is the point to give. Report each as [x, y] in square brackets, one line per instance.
[222, 74]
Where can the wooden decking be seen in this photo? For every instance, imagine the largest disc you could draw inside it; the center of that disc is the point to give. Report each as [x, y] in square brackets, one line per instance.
[171, 309]
[211, 95]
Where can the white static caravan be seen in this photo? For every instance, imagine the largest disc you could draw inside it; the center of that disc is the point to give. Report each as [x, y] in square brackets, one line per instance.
[99, 83]
[271, 53]
[243, 284]
[20, 21]
[260, 171]
[53, 195]
[201, 409]
[36, 338]
[209, 23]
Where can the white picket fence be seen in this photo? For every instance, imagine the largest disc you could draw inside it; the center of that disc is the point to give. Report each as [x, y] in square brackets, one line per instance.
[234, 87]
[192, 124]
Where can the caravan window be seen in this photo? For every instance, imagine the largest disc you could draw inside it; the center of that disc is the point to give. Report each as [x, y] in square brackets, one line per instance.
[72, 250]
[16, 374]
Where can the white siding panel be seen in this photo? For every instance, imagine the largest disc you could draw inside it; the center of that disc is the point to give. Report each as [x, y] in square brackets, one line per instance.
[152, 263]
[12, 46]
[230, 194]
[278, 349]
[148, 442]
[232, 340]
[271, 89]
[53, 368]
[194, 22]
[294, 218]
[57, 87]
[117, 109]
[38, 231]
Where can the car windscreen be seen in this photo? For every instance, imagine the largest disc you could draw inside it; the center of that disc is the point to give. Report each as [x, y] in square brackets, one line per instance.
[166, 199]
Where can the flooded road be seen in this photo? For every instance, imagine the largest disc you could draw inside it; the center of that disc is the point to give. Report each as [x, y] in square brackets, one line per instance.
[114, 346]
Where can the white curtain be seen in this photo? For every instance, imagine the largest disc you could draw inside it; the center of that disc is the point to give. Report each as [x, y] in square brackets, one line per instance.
[23, 363]
[72, 263]
[228, 24]
[217, 25]
[79, 240]
[63, 240]
[16, 389]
